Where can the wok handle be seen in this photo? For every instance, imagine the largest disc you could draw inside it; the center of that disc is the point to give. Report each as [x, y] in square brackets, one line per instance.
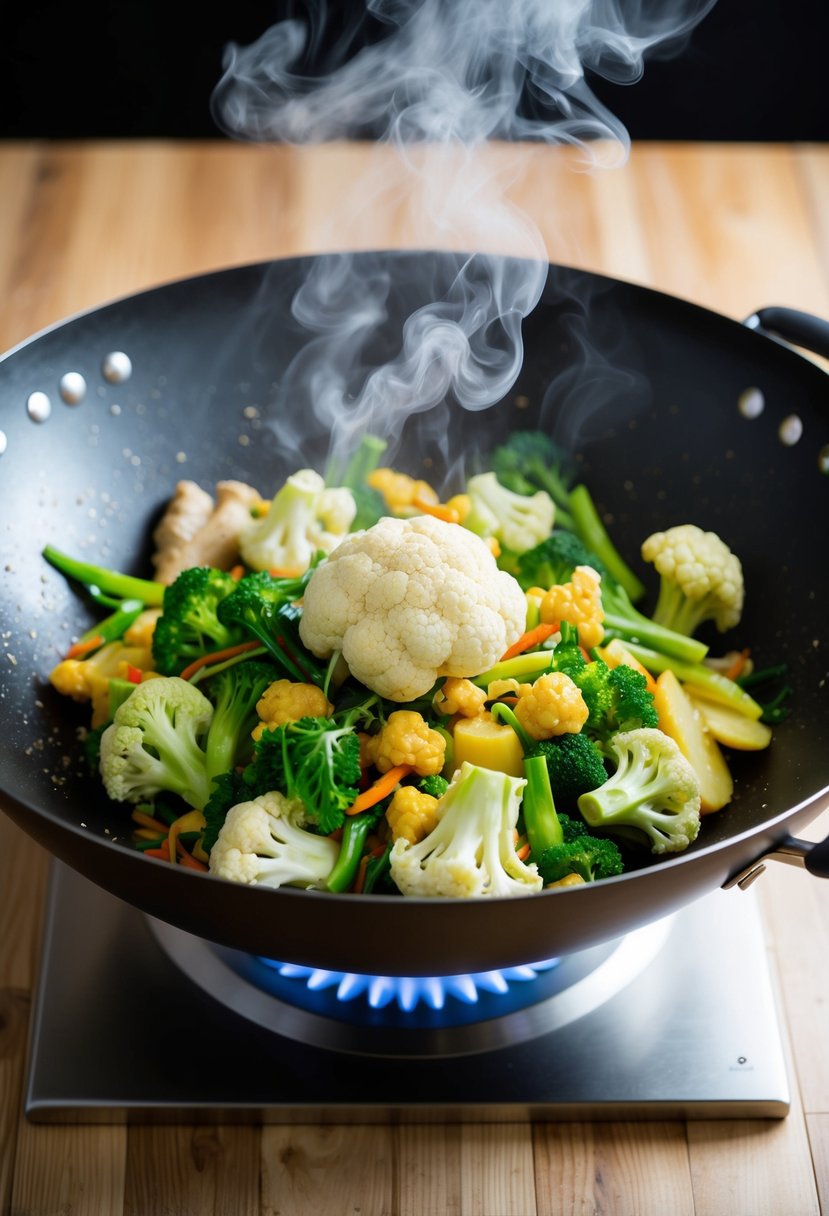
[792, 850]
[790, 325]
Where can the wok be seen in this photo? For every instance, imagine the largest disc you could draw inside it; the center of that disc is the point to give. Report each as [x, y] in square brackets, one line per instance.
[644, 387]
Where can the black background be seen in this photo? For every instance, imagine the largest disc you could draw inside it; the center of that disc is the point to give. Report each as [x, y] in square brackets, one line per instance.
[752, 70]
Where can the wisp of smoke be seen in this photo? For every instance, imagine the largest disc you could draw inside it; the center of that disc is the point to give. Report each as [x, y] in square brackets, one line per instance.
[438, 80]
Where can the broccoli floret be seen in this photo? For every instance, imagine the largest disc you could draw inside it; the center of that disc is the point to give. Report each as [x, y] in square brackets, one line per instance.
[435, 785]
[591, 857]
[189, 626]
[227, 790]
[700, 579]
[234, 692]
[574, 763]
[553, 560]
[471, 852]
[304, 517]
[264, 606]
[154, 743]
[533, 456]
[617, 698]
[313, 759]
[653, 795]
[518, 522]
[265, 842]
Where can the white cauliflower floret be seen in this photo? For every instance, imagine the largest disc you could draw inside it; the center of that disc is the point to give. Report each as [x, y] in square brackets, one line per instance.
[264, 843]
[700, 579]
[518, 521]
[470, 853]
[409, 600]
[303, 518]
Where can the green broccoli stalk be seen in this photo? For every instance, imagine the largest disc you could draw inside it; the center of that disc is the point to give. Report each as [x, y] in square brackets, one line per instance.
[378, 874]
[533, 458]
[153, 744]
[553, 561]
[516, 521]
[470, 853]
[554, 846]
[371, 505]
[234, 692]
[356, 830]
[699, 675]
[264, 607]
[653, 795]
[107, 583]
[189, 626]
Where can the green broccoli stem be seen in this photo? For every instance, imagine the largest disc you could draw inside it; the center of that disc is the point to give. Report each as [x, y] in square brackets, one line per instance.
[539, 809]
[108, 581]
[698, 675]
[355, 831]
[622, 619]
[114, 626]
[594, 535]
[503, 713]
[357, 469]
[376, 869]
[523, 667]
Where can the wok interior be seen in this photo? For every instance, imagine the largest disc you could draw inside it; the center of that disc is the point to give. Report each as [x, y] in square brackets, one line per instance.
[644, 389]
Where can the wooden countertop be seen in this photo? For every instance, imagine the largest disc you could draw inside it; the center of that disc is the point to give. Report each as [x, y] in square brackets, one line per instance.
[731, 227]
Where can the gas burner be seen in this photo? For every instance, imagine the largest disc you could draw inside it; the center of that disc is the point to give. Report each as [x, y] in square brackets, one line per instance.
[677, 1020]
[409, 991]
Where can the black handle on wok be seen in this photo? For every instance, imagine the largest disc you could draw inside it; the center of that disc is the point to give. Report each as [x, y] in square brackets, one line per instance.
[817, 859]
[792, 326]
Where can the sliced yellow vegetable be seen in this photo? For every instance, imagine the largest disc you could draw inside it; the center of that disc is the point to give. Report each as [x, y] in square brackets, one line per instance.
[616, 654]
[730, 728]
[489, 744]
[679, 718]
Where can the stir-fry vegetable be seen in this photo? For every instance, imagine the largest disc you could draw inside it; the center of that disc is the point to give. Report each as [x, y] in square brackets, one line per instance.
[388, 693]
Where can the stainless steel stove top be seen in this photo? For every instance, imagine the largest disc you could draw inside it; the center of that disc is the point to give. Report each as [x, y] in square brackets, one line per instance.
[136, 1021]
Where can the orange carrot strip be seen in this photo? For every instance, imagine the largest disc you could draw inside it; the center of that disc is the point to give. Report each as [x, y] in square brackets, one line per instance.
[188, 860]
[440, 510]
[359, 881]
[380, 788]
[237, 572]
[283, 572]
[737, 667]
[533, 637]
[217, 657]
[78, 649]
[523, 853]
[147, 821]
[161, 854]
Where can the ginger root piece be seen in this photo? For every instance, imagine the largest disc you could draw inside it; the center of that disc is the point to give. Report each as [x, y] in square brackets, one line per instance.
[196, 531]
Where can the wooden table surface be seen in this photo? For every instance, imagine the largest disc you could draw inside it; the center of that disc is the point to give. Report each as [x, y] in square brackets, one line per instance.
[731, 227]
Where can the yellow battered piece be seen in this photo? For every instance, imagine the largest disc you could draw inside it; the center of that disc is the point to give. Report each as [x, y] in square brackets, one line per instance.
[411, 814]
[553, 705]
[578, 602]
[288, 701]
[406, 738]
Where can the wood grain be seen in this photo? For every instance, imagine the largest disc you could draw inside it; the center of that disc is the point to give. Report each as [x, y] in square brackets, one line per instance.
[731, 227]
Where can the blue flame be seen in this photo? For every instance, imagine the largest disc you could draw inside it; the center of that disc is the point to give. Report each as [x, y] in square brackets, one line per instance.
[406, 991]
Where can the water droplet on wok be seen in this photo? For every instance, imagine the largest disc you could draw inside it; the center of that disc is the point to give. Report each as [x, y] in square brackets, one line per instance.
[117, 367]
[791, 429]
[72, 388]
[823, 459]
[38, 406]
[751, 403]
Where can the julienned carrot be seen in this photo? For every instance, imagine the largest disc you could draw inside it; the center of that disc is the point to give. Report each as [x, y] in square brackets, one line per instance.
[162, 853]
[359, 881]
[738, 666]
[147, 821]
[217, 656]
[237, 572]
[188, 860]
[440, 510]
[85, 646]
[532, 637]
[379, 788]
[283, 572]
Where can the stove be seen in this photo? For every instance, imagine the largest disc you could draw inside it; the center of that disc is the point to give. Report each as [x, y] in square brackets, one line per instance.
[135, 1020]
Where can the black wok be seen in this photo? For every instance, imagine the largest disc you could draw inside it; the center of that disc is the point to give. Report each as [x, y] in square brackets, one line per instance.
[643, 386]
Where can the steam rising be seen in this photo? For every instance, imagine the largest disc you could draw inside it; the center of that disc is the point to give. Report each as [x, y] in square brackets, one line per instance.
[439, 81]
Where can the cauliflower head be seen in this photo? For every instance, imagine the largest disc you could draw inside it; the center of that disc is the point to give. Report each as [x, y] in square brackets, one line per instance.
[304, 517]
[408, 601]
[264, 842]
[470, 853]
[700, 579]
